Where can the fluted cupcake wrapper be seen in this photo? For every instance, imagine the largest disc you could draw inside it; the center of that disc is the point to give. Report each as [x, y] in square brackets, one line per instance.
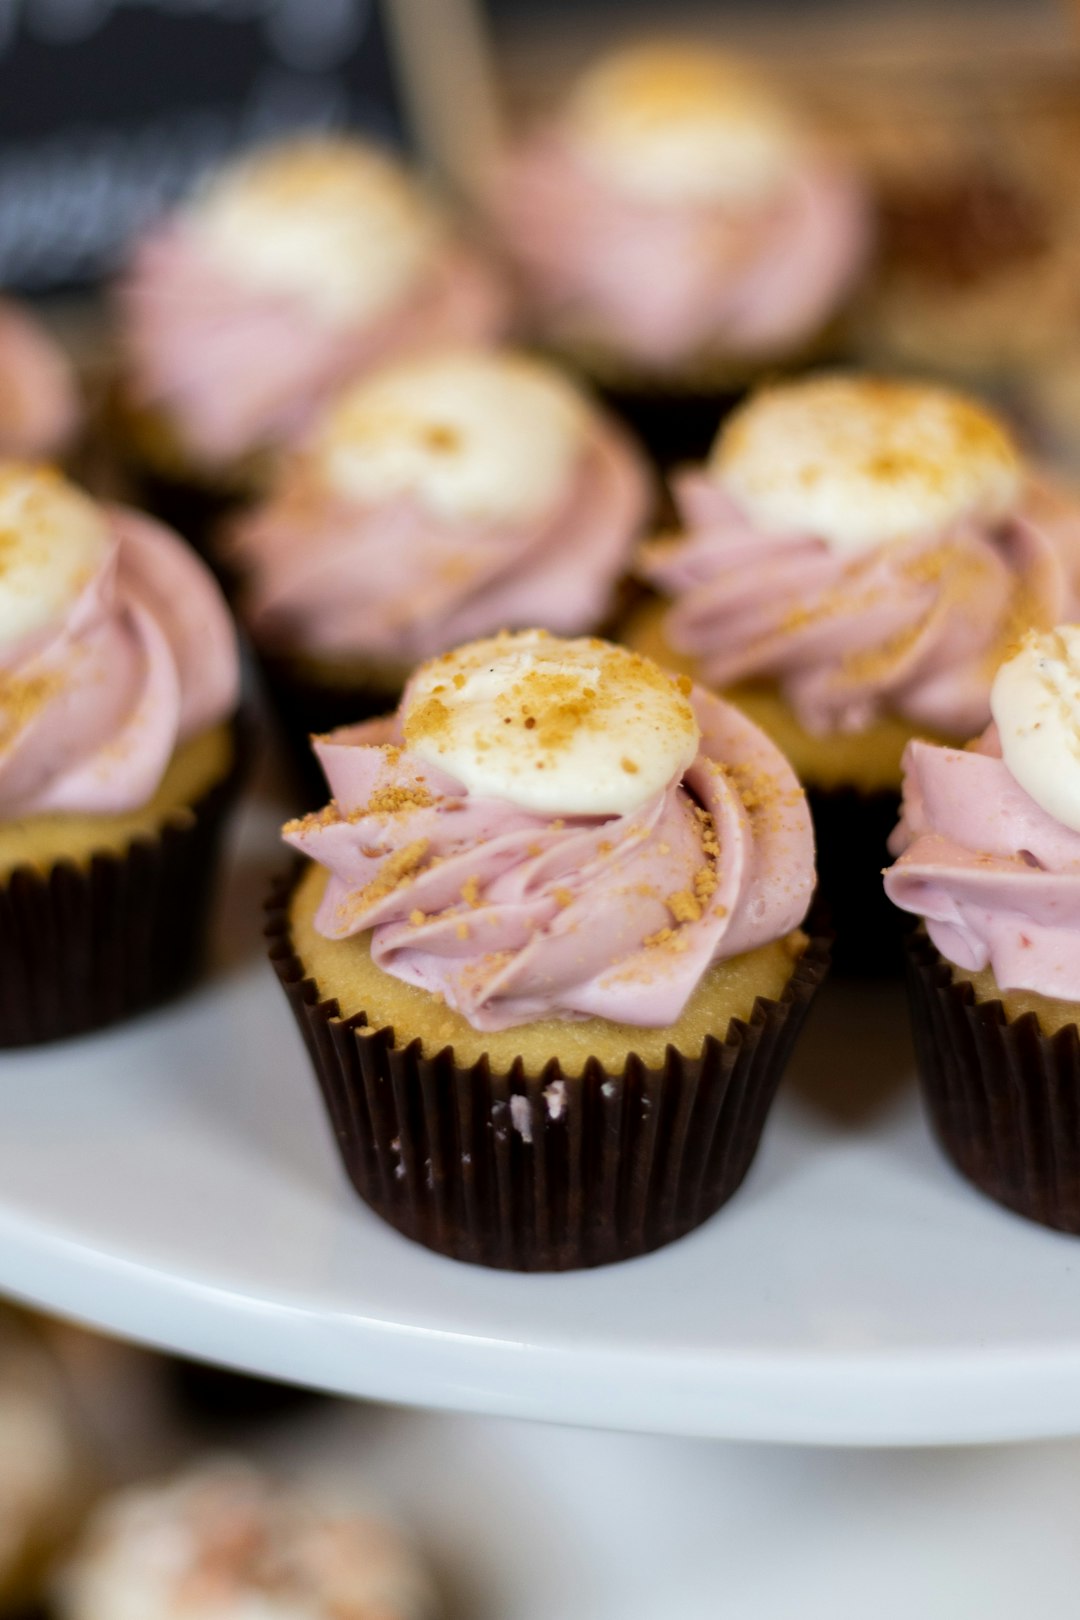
[851, 830]
[85, 945]
[546, 1172]
[1002, 1096]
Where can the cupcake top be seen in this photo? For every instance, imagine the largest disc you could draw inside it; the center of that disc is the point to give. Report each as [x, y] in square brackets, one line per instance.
[674, 212]
[441, 498]
[224, 1542]
[39, 402]
[989, 838]
[115, 647]
[871, 545]
[294, 268]
[557, 828]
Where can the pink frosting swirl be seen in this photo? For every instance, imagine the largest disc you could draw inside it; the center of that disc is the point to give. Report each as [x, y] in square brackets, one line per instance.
[996, 878]
[398, 582]
[236, 369]
[914, 627]
[93, 705]
[39, 401]
[514, 916]
[666, 283]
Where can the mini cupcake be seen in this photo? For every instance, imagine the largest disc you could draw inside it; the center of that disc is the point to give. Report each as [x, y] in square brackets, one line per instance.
[441, 499]
[45, 1466]
[295, 268]
[989, 859]
[40, 412]
[676, 229]
[223, 1541]
[118, 688]
[546, 952]
[858, 554]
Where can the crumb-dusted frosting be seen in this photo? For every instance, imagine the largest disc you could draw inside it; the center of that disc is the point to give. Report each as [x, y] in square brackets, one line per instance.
[39, 400]
[859, 460]
[115, 646]
[296, 268]
[1035, 702]
[443, 499]
[982, 856]
[514, 912]
[673, 213]
[870, 569]
[224, 1542]
[574, 728]
[471, 435]
[677, 123]
[334, 223]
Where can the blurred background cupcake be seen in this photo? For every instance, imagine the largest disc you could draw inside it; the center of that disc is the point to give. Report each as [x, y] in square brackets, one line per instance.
[40, 410]
[557, 896]
[439, 499]
[856, 556]
[118, 756]
[989, 859]
[676, 229]
[292, 269]
[225, 1541]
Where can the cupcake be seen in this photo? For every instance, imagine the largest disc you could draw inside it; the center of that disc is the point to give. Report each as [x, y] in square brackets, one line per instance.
[989, 859]
[295, 268]
[545, 951]
[40, 412]
[677, 229]
[857, 555]
[45, 1467]
[118, 690]
[441, 499]
[223, 1541]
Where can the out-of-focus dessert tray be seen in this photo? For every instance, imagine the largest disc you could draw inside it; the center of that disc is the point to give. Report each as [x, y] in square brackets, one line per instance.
[174, 1182]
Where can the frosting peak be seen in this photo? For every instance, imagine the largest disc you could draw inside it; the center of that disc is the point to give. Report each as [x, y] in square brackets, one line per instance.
[53, 539]
[860, 461]
[575, 728]
[1035, 702]
[331, 221]
[471, 435]
[677, 123]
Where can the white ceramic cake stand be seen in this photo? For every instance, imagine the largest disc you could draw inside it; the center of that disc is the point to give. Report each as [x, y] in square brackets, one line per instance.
[175, 1182]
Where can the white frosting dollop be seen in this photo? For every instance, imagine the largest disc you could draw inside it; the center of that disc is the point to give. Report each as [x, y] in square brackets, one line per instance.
[473, 436]
[574, 728]
[682, 124]
[333, 222]
[859, 461]
[222, 1542]
[1035, 702]
[53, 539]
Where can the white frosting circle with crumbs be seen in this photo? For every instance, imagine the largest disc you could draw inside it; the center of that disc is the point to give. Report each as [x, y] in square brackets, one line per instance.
[860, 461]
[573, 728]
[682, 124]
[333, 222]
[473, 436]
[222, 1542]
[53, 539]
[1035, 702]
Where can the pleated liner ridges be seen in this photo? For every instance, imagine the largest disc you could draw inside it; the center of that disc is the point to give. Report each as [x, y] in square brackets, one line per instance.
[84, 946]
[542, 1173]
[1003, 1098]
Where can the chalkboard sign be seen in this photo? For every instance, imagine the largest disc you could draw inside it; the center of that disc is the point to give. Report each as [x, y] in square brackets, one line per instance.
[109, 109]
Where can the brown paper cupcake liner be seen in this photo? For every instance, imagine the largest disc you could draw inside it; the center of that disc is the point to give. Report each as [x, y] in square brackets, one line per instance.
[1002, 1096]
[85, 945]
[851, 829]
[546, 1172]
